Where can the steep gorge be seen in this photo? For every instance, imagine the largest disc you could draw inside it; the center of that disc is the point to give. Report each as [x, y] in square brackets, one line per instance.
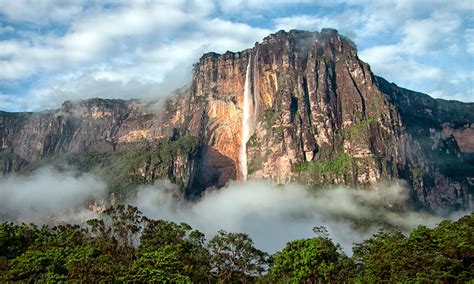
[308, 109]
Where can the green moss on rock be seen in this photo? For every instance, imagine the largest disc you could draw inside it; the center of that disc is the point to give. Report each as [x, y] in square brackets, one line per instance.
[359, 130]
[320, 171]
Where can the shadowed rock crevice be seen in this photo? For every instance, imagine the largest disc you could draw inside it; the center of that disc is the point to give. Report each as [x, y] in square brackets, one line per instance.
[211, 169]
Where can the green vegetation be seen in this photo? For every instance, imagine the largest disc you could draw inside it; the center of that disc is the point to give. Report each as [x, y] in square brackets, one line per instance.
[359, 130]
[256, 163]
[234, 257]
[338, 165]
[443, 254]
[319, 171]
[124, 245]
[270, 116]
[153, 159]
[123, 170]
[316, 260]
[254, 142]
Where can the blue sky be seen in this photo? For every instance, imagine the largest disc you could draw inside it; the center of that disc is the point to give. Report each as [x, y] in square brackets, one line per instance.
[52, 50]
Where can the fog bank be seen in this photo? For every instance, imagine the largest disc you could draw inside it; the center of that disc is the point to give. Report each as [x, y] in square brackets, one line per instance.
[48, 196]
[271, 214]
[274, 214]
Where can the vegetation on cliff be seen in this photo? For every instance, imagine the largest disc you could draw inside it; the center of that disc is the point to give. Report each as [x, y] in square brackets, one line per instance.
[322, 171]
[127, 246]
[141, 163]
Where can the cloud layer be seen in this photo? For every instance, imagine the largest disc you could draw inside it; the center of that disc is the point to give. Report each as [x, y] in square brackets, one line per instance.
[273, 214]
[52, 51]
[48, 196]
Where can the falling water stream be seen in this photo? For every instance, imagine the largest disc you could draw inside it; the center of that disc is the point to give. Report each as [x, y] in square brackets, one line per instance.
[245, 124]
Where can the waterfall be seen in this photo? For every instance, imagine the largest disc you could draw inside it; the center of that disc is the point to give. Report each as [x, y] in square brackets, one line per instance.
[255, 91]
[245, 124]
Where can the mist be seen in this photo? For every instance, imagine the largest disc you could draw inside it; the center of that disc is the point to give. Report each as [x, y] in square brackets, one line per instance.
[48, 196]
[275, 214]
[271, 214]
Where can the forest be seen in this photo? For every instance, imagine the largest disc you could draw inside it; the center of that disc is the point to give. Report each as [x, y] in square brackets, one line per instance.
[125, 245]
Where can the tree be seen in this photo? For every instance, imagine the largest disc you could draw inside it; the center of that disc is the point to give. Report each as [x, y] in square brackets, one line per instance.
[118, 232]
[48, 256]
[180, 241]
[163, 265]
[372, 256]
[15, 239]
[89, 264]
[175, 253]
[442, 254]
[234, 257]
[315, 260]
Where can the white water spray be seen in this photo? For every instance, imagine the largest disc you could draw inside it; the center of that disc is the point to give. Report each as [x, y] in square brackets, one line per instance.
[255, 91]
[245, 125]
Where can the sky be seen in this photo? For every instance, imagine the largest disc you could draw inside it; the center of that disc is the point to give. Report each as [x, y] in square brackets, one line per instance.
[53, 50]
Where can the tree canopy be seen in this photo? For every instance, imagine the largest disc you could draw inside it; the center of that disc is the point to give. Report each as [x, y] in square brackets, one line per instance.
[124, 245]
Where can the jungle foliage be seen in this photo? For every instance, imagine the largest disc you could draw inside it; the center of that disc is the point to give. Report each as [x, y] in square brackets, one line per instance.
[125, 245]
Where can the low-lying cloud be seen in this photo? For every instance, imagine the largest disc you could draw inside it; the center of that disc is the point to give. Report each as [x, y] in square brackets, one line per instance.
[271, 214]
[275, 214]
[48, 196]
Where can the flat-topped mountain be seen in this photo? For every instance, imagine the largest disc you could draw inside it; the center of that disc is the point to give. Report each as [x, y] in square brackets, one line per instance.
[297, 107]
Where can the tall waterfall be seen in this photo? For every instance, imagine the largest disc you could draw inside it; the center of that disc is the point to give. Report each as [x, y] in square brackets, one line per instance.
[245, 124]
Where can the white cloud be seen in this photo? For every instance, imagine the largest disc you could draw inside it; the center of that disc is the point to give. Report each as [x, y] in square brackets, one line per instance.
[151, 71]
[12, 103]
[97, 35]
[441, 94]
[46, 194]
[391, 61]
[271, 214]
[6, 29]
[420, 59]
[40, 11]
[101, 31]
[147, 42]
[103, 84]
[303, 22]
[430, 34]
[242, 6]
[416, 40]
[274, 214]
[346, 22]
[140, 44]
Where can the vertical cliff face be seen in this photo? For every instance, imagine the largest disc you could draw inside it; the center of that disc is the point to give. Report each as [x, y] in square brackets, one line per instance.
[129, 142]
[95, 125]
[319, 103]
[314, 114]
[217, 103]
[312, 99]
[319, 116]
[436, 158]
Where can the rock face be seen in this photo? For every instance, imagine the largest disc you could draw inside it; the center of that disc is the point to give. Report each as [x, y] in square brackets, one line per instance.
[113, 135]
[436, 147]
[317, 115]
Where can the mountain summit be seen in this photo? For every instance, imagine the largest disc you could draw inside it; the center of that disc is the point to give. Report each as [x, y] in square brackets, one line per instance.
[298, 107]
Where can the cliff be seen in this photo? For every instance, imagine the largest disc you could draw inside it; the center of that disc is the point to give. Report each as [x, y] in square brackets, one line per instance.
[298, 107]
